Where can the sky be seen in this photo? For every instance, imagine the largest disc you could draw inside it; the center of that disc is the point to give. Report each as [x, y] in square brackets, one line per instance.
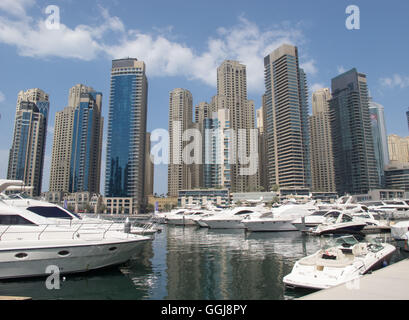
[182, 42]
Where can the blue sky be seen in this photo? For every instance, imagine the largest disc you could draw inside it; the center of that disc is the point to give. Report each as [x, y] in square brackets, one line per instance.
[183, 41]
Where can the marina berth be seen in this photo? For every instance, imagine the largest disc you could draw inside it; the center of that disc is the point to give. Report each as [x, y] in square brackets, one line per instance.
[343, 261]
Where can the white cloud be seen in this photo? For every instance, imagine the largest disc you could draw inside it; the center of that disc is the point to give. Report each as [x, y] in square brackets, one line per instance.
[244, 42]
[16, 7]
[316, 86]
[309, 67]
[2, 97]
[395, 80]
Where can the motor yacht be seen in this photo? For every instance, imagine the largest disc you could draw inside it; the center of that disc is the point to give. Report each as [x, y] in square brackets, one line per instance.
[338, 222]
[186, 218]
[278, 219]
[233, 218]
[29, 244]
[56, 214]
[341, 262]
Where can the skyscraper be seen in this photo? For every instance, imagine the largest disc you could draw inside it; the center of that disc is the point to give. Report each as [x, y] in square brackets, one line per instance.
[180, 120]
[149, 167]
[26, 158]
[398, 148]
[354, 156]
[85, 166]
[407, 117]
[380, 138]
[217, 150]
[232, 95]
[262, 148]
[127, 131]
[286, 112]
[322, 160]
[76, 154]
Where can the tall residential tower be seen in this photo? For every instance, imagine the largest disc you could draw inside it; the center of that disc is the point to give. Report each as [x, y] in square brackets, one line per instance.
[322, 160]
[354, 157]
[26, 158]
[286, 112]
[125, 162]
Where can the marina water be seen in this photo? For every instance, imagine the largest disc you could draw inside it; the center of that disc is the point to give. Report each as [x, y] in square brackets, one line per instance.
[193, 263]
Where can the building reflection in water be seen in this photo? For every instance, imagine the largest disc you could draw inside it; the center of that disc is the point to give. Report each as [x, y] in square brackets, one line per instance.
[230, 264]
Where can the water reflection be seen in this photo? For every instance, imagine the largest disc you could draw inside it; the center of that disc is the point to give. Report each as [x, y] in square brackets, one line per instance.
[193, 263]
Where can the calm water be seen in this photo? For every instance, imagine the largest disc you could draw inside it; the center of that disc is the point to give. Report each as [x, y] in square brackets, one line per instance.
[192, 263]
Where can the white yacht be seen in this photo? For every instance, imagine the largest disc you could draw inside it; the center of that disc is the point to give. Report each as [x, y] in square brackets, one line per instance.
[186, 218]
[29, 244]
[278, 219]
[233, 218]
[55, 214]
[345, 261]
[310, 221]
[338, 222]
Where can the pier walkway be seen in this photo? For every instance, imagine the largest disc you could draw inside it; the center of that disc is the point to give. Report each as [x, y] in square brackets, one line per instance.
[389, 283]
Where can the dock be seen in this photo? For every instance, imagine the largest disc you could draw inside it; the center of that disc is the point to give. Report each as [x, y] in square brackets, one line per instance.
[13, 298]
[388, 283]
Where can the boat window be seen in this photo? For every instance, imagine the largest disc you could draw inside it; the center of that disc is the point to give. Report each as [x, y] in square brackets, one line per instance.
[319, 213]
[14, 219]
[346, 218]
[243, 212]
[332, 214]
[50, 212]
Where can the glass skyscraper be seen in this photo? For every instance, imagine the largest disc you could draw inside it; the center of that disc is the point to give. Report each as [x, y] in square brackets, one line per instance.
[26, 158]
[380, 138]
[354, 157]
[85, 164]
[126, 130]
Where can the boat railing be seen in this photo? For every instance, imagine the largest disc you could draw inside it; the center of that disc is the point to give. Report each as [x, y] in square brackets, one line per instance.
[100, 228]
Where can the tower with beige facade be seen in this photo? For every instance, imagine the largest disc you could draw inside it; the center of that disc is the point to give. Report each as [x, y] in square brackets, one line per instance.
[76, 154]
[232, 95]
[286, 119]
[322, 160]
[398, 148]
[180, 120]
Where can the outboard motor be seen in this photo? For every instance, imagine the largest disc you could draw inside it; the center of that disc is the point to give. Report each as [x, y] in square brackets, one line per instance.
[127, 226]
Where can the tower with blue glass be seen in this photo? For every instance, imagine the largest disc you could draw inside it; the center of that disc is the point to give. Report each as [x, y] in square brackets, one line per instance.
[125, 160]
[85, 164]
[26, 158]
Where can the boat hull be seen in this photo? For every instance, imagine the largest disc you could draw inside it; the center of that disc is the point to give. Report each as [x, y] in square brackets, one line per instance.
[269, 226]
[224, 224]
[80, 258]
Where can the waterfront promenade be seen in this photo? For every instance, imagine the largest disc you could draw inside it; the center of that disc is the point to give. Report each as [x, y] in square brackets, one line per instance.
[389, 283]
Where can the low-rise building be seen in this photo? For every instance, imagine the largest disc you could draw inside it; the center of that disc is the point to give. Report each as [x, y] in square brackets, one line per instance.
[217, 197]
[118, 205]
[163, 203]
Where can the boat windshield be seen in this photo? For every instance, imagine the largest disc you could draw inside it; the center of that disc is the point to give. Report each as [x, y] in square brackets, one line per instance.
[375, 245]
[345, 242]
[243, 212]
[50, 212]
[19, 196]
